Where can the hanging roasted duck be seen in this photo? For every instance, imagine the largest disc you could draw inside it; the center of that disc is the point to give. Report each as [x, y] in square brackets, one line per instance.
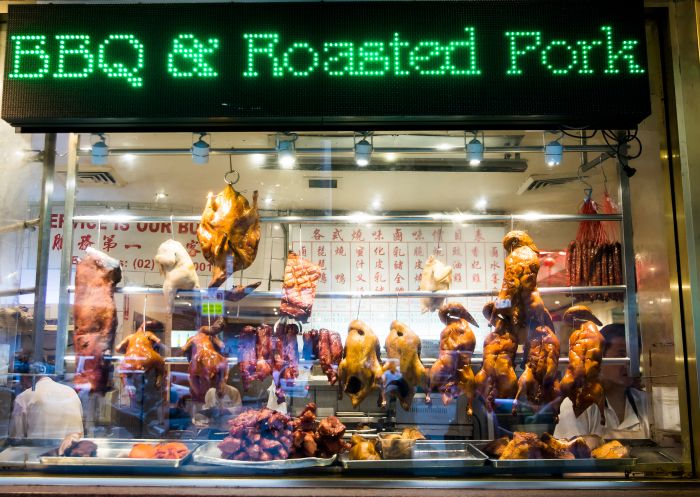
[208, 367]
[452, 374]
[581, 382]
[360, 371]
[229, 233]
[176, 266]
[436, 277]
[140, 355]
[94, 318]
[403, 349]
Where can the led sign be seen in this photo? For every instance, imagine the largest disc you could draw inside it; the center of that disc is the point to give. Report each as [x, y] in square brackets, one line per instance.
[314, 65]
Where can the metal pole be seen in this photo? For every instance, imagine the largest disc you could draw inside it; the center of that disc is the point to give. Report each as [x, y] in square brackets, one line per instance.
[631, 328]
[42, 253]
[66, 253]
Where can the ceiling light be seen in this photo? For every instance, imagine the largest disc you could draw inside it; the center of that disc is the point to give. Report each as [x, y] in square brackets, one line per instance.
[475, 150]
[161, 196]
[258, 159]
[376, 204]
[286, 154]
[363, 152]
[200, 150]
[556, 302]
[553, 152]
[100, 150]
[268, 200]
[390, 157]
[481, 204]
[444, 146]
[276, 226]
[128, 157]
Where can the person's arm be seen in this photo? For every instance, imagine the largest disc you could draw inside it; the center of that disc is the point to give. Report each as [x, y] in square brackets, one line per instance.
[18, 421]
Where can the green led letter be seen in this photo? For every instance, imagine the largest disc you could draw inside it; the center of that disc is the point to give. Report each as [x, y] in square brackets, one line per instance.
[78, 50]
[117, 68]
[516, 52]
[371, 54]
[396, 46]
[573, 57]
[585, 48]
[188, 50]
[33, 51]
[424, 51]
[470, 45]
[312, 54]
[266, 48]
[622, 53]
[346, 50]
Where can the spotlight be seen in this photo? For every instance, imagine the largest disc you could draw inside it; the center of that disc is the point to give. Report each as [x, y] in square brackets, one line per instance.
[100, 150]
[286, 154]
[363, 152]
[481, 204]
[200, 150]
[475, 150]
[553, 152]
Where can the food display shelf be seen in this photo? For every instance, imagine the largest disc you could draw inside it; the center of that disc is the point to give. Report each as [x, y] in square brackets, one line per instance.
[430, 454]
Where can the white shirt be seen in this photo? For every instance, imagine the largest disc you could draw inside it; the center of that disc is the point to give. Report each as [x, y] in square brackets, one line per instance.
[231, 399]
[588, 423]
[51, 410]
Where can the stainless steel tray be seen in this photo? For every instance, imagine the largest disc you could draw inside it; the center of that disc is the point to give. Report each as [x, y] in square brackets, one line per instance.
[566, 465]
[21, 456]
[115, 455]
[209, 453]
[426, 454]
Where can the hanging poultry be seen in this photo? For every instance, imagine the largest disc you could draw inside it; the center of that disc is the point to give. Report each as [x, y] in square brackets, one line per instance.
[451, 374]
[403, 349]
[360, 371]
[208, 367]
[140, 355]
[229, 233]
[581, 382]
[177, 267]
[436, 277]
[94, 318]
[496, 379]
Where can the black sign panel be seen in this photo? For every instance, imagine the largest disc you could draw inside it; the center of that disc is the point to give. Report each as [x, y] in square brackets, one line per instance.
[352, 65]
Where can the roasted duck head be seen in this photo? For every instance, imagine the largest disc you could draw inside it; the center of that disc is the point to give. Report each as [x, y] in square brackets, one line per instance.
[581, 382]
[208, 367]
[452, 374]
[360, 371]
[436, 276]
[229, 233]
[404, 370]
[140, 355]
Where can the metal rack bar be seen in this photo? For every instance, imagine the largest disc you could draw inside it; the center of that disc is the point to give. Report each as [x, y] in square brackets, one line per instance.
[365, 218]
[552, 290]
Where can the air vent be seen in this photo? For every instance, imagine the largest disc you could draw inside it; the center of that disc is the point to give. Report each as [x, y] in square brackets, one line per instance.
[103, 177]
[541, 181]
[323, 183]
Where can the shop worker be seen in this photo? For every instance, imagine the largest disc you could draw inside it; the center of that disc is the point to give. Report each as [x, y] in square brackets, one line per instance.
[626, 414]
[48, 410]
[224, 405]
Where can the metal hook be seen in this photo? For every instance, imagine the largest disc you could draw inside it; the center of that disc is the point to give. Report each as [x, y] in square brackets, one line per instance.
[172, 228]
[231, 170]
[359, 303]
[589, 189]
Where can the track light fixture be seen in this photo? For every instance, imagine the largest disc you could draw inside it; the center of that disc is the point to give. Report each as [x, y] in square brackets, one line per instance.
[286, 152]
[363, 150]
[475, 150]
[200, 150]
[553, 150]
[100, 150]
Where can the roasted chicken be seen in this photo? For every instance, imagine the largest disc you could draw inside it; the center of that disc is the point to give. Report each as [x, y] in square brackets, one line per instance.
[611, 450]
[581, 382]
[299, 287]
[363, 449]
[403, 348]
[436, 277]
[360, 371]
[525, 445]
[229, 233]
[496, 379]
[140, 355]
[452, 374]
[177, 267]
[208, 367]
[94, 318]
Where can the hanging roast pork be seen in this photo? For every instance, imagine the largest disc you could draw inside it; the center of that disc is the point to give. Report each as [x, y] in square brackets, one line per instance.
[94, 318]
[229, 233]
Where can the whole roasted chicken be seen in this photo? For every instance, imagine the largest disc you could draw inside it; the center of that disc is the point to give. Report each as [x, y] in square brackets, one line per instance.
[94, 318]
[140, 355]
[360, 371]
[436, 277]
[208, 367]
[403, 348]
[581, 382]
[539, 383]
[496, 379]
[229, 233]
[452, 374]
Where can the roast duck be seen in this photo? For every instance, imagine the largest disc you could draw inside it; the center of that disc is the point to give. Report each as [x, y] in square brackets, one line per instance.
[140, 355]
[229, 233]
[360, 371]
[94, 318]
[299, 287]
[436, 276]
[525, 445]
[403, 349]
[581, 381]
[208, 367]
[177, 267]
[451, 374]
